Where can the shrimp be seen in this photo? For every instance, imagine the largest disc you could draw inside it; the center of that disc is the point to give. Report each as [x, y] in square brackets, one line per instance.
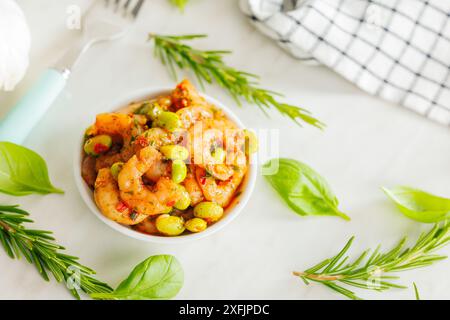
[191, 115]
[220, 171]
[156, 138]
[147, 226]
[207, 136]
[144, 199]
[192, 187]
[88, 171]
[159, 168]
[185, 95]
[127, 128]
[118, 124]
[220, 192]
[107, 197]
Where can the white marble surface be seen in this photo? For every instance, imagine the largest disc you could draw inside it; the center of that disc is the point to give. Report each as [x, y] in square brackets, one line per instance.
[368, 143]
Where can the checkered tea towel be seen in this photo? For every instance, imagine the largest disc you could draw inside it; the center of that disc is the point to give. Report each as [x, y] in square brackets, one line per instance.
[396, 49]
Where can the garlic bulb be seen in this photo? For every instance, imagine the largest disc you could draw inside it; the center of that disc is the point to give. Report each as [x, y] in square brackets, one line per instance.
[14, 44]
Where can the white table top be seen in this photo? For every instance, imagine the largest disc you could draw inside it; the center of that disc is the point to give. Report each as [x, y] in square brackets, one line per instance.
[368, 144]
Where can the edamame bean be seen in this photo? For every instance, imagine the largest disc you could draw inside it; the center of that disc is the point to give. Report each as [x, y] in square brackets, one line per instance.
[170, 225]
[168, 210]
[219, 155]
[142, 108]
[185, 200]
[97, 145]
[196, 225]
[251, 142]
[179, 171]
[168, 120]
[209, 211]
[116, 168]
[174, 152]
[154, 110]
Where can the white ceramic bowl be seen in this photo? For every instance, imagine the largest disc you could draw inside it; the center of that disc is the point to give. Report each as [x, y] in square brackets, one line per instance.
[231, 212]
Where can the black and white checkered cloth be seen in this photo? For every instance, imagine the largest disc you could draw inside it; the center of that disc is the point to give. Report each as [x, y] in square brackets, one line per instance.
[396, 49]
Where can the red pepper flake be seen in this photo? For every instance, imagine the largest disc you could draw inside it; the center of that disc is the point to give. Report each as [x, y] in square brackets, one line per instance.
[142, 141]
[100, 148]
[181, 103]
[203, 180]
[122, 207]
[170, 203]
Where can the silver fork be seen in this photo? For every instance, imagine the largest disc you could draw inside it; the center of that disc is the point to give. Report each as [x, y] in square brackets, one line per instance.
[105, 20]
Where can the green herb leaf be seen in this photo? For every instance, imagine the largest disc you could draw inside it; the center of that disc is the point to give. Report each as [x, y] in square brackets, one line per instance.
[303, 189]
[420, 205]
[158, 277]
[23, 171]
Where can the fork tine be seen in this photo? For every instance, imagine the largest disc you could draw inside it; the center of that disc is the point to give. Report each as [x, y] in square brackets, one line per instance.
[137, 8]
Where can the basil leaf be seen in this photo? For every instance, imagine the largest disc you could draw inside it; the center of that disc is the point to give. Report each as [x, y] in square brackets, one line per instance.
[23, 171]
[158, 277]
[303, 189]
[419, 205]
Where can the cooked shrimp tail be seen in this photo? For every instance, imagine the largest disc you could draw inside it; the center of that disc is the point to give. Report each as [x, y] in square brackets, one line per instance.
[107, 198]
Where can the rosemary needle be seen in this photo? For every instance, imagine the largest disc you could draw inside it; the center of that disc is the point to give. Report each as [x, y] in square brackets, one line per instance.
[372, 272]
[416, 291]
[209, 66]
[39, 248]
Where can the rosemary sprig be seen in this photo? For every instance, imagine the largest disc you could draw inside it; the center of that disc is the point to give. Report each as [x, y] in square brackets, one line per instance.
[416, 291]
[38, 248]
[209, 66]
[181, 4]
[338, 274]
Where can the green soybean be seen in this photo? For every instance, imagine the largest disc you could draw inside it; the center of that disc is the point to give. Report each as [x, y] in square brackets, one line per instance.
[154, 110]
[209, 211]
[170, 225]
[196, 225]
[185, 200]
[116, 168]
[168, 120]
[97, 145]
[179, 171]
[174, 152]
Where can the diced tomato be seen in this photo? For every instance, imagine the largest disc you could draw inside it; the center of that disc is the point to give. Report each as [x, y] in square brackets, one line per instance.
[100, 148]
[181, 103]
[171, 203]
[122, 207]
